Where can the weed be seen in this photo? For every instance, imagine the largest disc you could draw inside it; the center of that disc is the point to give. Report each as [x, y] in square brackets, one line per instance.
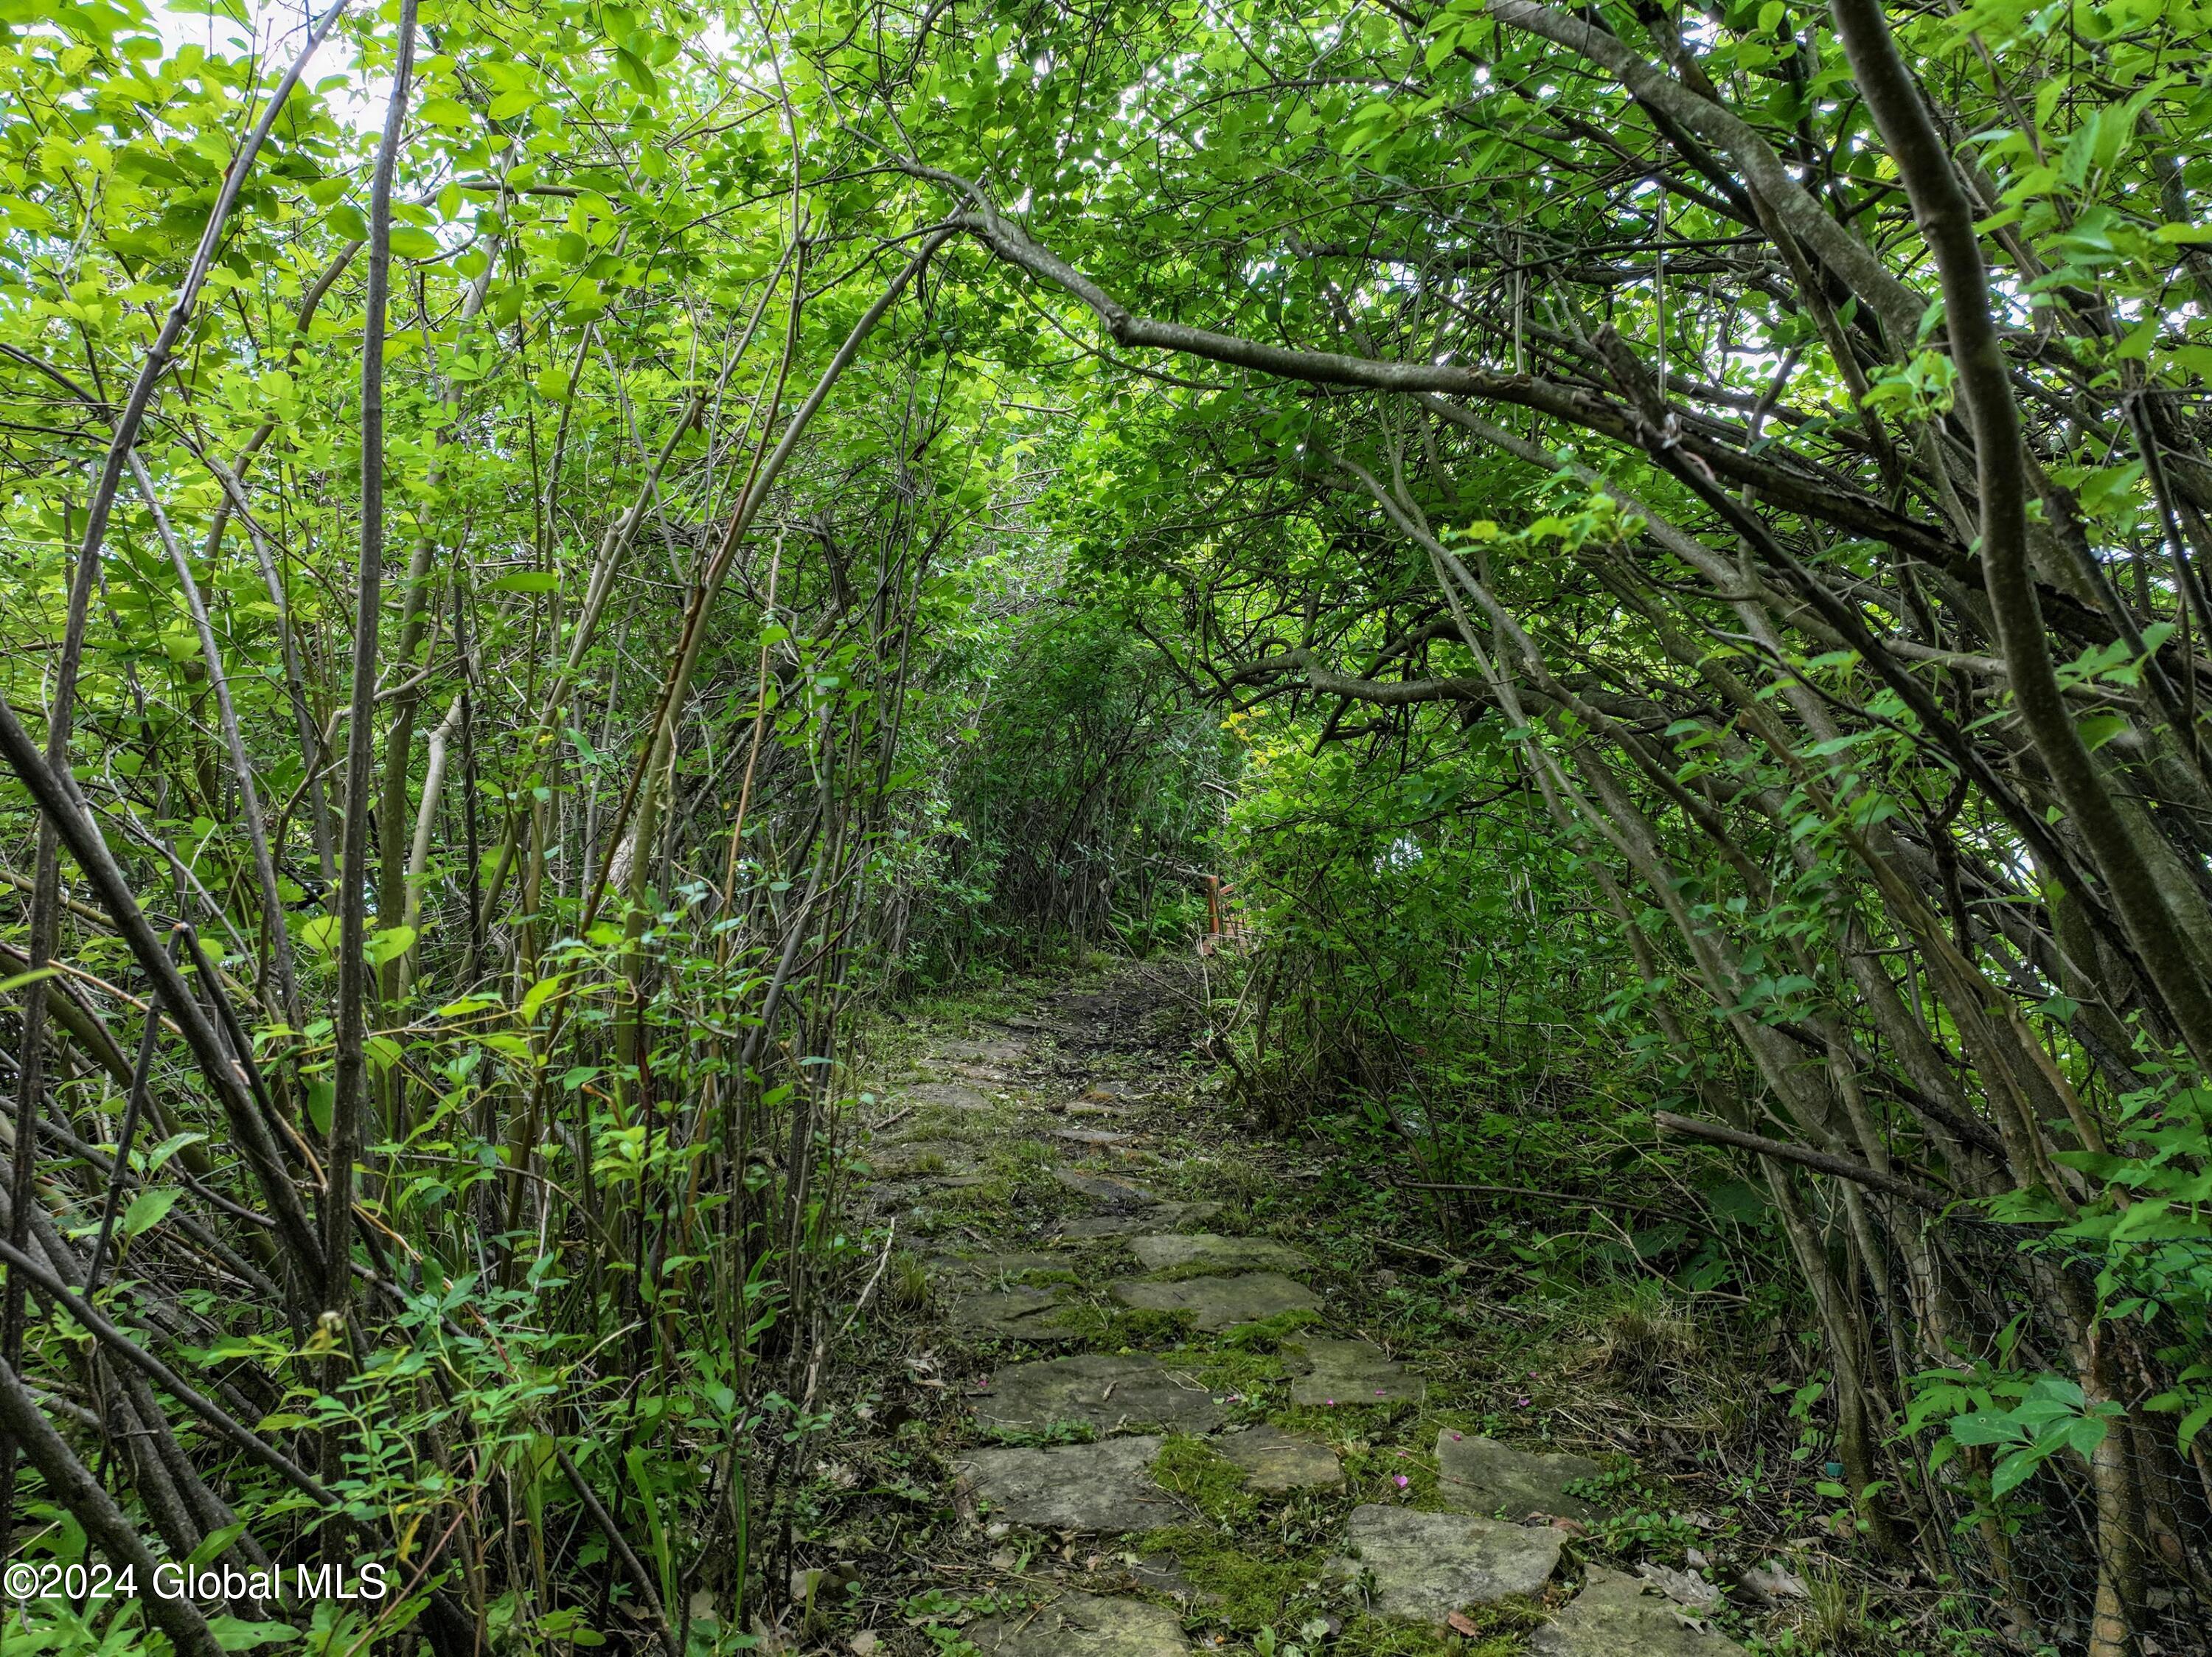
[1267, 1334]
[1115, 1328]
[906, 1286]
[1244, 1583]
[1647, 1341]
[1203, 1476]
[1057, 1432]
[1838, 1613]
[1242, 1374]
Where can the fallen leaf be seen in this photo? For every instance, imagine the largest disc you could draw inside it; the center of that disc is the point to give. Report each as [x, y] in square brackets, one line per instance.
[1776, 1581]
[1459, 1624]
[1683, 1588]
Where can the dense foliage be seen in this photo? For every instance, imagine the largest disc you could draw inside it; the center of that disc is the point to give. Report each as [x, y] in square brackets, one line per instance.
[563, 552]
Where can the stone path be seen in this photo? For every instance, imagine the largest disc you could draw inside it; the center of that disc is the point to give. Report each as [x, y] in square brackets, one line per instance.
[1332, 1373]
[1058, 1222]
[1476, 1475]
[1104, 1392]
[1218, 1303]
[1106, 1486]
[1276, 1461]
[1168, 1252]
[1615, 1614]
[1420, 1568]
[1071, 1623]
[1020, 1314]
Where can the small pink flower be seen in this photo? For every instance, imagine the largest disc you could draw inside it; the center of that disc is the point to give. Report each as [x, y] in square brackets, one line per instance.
[1331, 1401]
[1401, 1481]
[1521, 1404]
[1455, 1438]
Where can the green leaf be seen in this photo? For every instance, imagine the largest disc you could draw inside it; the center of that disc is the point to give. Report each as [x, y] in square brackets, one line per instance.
[2009, 1474]
[322, 1099]
[168, 1148]
[2098, 729]
[217, 1543]
[390, 944]
[2191, 1425]
[631, 68]
[445, 112]
[412, 242]
[537, 996]
[232, 1634]
[149, 1209]
[526, 580]
[1982, 1428]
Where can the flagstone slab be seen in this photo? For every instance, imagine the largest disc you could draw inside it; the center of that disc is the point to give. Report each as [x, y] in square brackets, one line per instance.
[1107, 1392]
[1616, 1614]
[986, 1052]
[1103, 1188]
[1277, 1462]
[1015, 1313]
[1162, 1217]
[1218, 1303]
[1122, 1090]
[998, 1269]
[1090, 1624]
[949, 1096]
[1348, 1372]
[1160, 1253]
[917, 1157]
[1094, 1138]
[1106, 1486]
[1477, 1475]
[1427, 1565]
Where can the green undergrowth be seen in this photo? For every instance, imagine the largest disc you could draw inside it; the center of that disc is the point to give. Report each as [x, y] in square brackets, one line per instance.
[1246, 1376]
[1106, 1327]
[1041, 1277]
[1268, 1334]
[1255, 1565]
[1202, 1476]
[1190, 1268]
[1056, 1431]
[1244, 1583]
[1341, 1421]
